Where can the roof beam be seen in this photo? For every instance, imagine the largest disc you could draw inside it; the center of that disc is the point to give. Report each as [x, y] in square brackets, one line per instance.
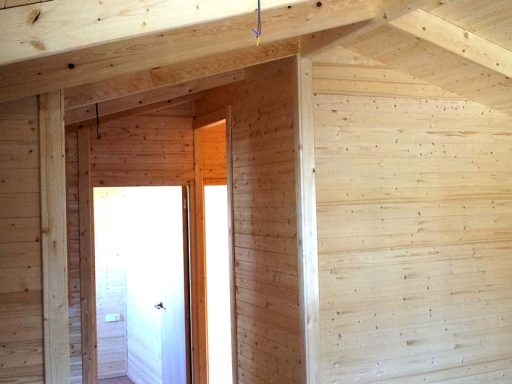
[451, 37]
[127, 56]
[178, 73]
[165, 104]
[386, 11]
[44, 29]
[17, 3]
[159, 96]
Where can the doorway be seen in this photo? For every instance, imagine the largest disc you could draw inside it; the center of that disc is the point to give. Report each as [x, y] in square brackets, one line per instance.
[142, 287]
[214, 234]
[218, 284]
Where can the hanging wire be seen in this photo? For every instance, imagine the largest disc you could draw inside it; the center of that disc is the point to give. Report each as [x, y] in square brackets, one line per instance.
[258, 29]
[98, 133]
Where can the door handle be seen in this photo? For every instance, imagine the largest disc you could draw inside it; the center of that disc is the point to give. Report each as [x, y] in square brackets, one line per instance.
[160, 305]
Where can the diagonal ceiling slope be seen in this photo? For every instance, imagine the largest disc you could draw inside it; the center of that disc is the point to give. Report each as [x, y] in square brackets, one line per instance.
[446, 51]
[105, 61]
[58, 26]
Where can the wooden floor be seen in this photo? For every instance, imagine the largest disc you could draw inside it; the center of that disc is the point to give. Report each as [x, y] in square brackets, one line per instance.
[116, 380]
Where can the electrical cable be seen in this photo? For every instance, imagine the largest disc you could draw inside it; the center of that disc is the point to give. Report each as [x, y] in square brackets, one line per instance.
[98, 133]
[258, 29]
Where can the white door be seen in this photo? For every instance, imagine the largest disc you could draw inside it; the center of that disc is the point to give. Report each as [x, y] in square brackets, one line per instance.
[151, 222]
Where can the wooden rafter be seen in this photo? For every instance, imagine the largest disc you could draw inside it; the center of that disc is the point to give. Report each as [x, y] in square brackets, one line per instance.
[154, 96]
[58, 26]
[451, 37]
[385, 12]
[143, 81]
[106, 61]
[165, 104]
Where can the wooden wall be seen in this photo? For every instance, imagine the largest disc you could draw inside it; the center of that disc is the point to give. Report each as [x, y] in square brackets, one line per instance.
[150, 149]
[265, 227]
[21, 313]
[414, 202]
[75, 335]
[213, 150]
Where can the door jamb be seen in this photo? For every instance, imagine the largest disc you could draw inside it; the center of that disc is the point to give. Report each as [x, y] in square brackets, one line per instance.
[199, 123]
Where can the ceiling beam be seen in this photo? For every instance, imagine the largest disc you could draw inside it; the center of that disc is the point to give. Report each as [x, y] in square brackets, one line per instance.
[17, 3]
[160, 95]
[385, 12]
[451, 37]
[48, 28]
[165, 104]
[118, 58]
[178, 73]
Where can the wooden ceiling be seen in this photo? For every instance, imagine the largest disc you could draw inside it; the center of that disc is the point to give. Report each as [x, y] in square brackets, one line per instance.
[142, 51]
[462, 46]
[490, 19]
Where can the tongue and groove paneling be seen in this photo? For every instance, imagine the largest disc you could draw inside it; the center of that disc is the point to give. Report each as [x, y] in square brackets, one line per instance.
[21, 306]
[265, 223]
[414, 203]
[150, 149]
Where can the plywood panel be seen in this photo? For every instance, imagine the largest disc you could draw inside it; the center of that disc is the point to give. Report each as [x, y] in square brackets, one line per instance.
[266, 268]
[21, 312]
[413, 193]
[149, 149]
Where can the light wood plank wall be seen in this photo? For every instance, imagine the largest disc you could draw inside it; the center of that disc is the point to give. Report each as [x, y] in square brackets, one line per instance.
[150, 149]
[21, 312]
[213, 153]
[265, 227]
[414, 202]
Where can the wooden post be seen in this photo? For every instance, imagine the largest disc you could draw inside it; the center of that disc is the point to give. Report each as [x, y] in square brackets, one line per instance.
[229, 176]
[87, 263]
[306, 221]
[53, 237]
[200, 320]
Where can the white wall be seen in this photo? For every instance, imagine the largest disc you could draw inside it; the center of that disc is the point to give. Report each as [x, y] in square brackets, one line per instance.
[110, 281]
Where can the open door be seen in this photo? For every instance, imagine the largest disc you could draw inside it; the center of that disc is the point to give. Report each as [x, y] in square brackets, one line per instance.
[175, 293]
[142, 269]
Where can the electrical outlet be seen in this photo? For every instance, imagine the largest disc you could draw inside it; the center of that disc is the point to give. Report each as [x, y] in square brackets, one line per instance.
[112, 317]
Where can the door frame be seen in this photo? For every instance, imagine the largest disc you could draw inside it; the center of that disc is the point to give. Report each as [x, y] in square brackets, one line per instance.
[200, 321]
[88, 262]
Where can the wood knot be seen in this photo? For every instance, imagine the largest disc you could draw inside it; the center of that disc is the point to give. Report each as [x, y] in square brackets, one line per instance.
[33, 16]
[38, 44]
